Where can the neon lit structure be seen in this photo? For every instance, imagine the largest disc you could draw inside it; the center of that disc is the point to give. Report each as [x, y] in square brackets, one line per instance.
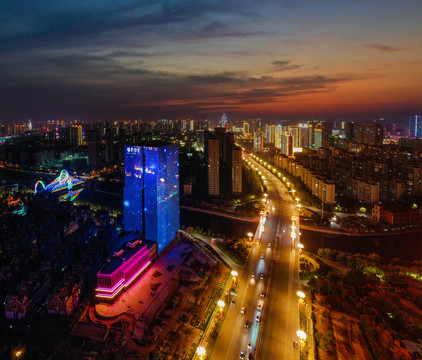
[151, 193]
[124, 267]
[66, 187]
[36, 186]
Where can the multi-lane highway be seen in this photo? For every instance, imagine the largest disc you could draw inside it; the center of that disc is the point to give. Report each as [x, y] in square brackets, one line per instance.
[272, 337]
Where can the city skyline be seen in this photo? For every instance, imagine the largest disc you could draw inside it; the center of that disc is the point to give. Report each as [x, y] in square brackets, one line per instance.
[151, 60]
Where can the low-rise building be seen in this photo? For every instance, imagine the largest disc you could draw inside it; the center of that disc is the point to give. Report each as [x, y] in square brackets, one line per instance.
[125, 266]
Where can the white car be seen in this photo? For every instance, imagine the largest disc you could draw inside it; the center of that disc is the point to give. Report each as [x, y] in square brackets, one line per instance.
[262, 256]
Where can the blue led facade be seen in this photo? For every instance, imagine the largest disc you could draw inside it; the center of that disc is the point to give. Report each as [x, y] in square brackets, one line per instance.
[132, 192]
[155, 169]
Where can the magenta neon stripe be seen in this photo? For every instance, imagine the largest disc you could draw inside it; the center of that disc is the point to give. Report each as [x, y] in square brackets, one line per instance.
[112, 289]
[123, 285]
[135, 275]
[112, 295]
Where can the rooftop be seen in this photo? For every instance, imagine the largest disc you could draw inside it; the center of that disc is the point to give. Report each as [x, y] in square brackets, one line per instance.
[129, 245]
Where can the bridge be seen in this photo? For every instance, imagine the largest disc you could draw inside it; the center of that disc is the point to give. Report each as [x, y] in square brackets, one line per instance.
[65, 186]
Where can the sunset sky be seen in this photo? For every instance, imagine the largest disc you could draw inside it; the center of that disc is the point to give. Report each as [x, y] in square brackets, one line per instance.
[281, 59]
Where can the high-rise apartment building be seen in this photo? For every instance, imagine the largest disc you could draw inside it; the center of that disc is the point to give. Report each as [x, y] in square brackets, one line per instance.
[213, 166]
[287, 143]
[258, 141]
[369, 133]
[255, 125]
[347, 129]
[270, 133]
[413, 178]
[278, 136]
[224, 164]
[76, 135]
[151, 193]
[318, 137]
[246, 127]
[237, 170]
[295, 130]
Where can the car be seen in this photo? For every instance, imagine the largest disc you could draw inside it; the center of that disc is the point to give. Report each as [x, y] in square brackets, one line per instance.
[247, 324]
[269, 245]
[250, 357]
[243, 310]
[258, 318]
[259, 307]
[249, 345]
[261, 276]
[263, 294]
[262, 256]
[253, 275]
[295, 344]
[233, 302]
[275, 260]
[242, 355]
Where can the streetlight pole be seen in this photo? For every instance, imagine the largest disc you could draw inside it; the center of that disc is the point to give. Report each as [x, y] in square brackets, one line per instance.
[221, 304]
[200, 351]
[234, 275]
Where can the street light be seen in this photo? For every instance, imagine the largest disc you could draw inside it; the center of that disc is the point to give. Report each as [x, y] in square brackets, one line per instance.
[18, 353]
[301, 294]
[234, 274]
[301, 334]
[300, 246]
[200, 351]
[250, 236]
[221, 304]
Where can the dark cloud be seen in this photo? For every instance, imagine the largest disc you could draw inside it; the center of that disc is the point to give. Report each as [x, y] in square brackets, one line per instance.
[383, 48]
[131, 58]
[285, 65]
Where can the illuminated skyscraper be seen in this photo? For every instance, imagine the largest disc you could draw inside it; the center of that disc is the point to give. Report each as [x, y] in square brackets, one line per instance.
[224, 120]
[415, 126]
[151, 193]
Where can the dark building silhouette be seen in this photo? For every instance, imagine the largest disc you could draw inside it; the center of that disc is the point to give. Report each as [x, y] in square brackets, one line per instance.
[224, 169]
[93, 141]
[369, 133]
